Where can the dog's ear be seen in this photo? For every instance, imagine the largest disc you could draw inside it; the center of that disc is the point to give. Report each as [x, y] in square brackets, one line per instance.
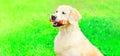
[74, 16]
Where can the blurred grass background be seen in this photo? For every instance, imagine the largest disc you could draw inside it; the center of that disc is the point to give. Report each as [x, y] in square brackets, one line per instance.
[25, 29]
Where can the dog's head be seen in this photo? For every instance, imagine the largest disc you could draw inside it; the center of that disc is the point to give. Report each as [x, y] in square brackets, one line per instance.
[65, 15]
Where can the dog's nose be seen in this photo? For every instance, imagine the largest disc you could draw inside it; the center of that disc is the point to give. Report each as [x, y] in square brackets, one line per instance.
[53, 17]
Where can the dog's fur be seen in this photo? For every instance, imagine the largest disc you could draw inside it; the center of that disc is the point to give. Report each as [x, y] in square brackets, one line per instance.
[70, 40]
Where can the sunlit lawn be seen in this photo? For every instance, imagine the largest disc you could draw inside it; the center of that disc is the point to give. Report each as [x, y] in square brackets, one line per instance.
[25, 29]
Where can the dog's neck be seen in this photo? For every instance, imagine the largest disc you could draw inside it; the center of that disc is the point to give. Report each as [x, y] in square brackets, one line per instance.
[69, 28]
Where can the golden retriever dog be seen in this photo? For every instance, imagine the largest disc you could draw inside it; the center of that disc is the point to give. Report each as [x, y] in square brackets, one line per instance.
[70, 41]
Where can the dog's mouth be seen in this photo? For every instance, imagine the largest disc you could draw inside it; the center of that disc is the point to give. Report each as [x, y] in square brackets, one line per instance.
[58, 24]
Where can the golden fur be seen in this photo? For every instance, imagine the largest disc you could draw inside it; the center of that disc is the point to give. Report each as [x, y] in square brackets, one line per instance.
[70, 41]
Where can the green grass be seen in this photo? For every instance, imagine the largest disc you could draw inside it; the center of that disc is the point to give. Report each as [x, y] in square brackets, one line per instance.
[25, 29]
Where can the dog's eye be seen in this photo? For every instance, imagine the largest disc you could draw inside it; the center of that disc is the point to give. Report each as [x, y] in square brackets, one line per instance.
[63, 13]
[56, 11]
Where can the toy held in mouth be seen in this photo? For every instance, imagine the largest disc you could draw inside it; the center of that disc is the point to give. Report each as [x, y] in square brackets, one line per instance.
[51, 20]
[60, 22]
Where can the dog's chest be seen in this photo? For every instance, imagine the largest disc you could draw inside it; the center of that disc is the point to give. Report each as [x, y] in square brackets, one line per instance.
[66, 42]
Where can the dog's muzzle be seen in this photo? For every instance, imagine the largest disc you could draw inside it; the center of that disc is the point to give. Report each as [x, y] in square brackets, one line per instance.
[57, 24]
